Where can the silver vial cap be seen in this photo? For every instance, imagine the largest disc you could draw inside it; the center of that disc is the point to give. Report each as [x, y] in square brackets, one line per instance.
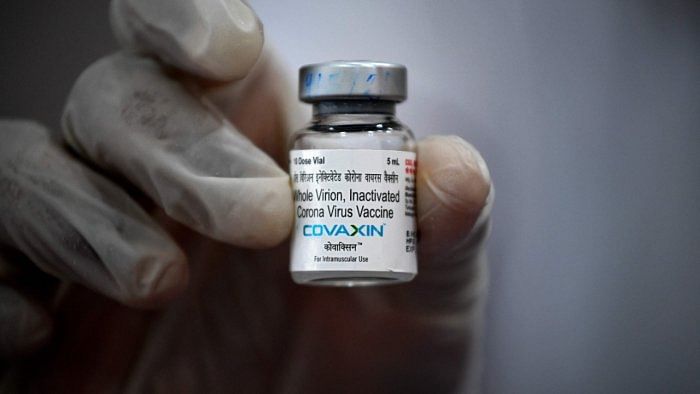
[352, 80]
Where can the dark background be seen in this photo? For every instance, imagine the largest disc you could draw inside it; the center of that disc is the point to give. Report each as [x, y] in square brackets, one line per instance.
[44, 46]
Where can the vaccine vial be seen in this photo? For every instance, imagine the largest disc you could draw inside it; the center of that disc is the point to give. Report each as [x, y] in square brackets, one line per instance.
[353, 178]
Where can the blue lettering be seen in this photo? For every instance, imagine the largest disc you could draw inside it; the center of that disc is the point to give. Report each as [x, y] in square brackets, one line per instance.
[341, 230]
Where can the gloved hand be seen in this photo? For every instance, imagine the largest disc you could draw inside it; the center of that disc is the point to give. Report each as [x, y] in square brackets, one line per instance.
[170, 178]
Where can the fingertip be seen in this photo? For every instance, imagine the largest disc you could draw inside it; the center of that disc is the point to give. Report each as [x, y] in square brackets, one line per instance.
[157, 281]
[217, 40]
[263, 215]
[276, 217]
[172, 281]
[454, 173]
[453, 186]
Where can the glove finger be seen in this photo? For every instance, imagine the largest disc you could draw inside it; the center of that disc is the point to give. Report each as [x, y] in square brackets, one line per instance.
[213, 39]
[454, 188]
[454, 198]
[76, 225]
[126, 116]
[24, 325]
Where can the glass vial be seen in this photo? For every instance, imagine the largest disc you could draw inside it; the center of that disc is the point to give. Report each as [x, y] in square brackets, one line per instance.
[353, 178]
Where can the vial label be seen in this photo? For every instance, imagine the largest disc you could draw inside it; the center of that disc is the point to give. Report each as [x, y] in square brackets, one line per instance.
[354, 210]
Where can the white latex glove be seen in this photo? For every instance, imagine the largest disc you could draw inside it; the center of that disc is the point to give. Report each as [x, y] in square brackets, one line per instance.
[143, 132]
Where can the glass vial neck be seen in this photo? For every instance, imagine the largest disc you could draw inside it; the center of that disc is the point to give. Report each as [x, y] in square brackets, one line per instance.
[338, 107]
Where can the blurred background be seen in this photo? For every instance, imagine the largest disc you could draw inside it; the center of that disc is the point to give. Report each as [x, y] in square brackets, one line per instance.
[588, 113]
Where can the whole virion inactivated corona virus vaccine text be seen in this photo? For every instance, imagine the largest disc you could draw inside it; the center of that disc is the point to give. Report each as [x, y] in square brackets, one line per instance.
[353, 178]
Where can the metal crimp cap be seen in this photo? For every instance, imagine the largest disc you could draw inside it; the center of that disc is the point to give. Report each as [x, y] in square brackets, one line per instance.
[352, 80]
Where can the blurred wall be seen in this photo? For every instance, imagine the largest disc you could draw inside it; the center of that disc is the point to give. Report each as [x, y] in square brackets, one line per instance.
[588, 114]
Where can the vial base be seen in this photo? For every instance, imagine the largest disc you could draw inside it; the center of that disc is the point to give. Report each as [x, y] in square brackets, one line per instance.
[351, 278]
